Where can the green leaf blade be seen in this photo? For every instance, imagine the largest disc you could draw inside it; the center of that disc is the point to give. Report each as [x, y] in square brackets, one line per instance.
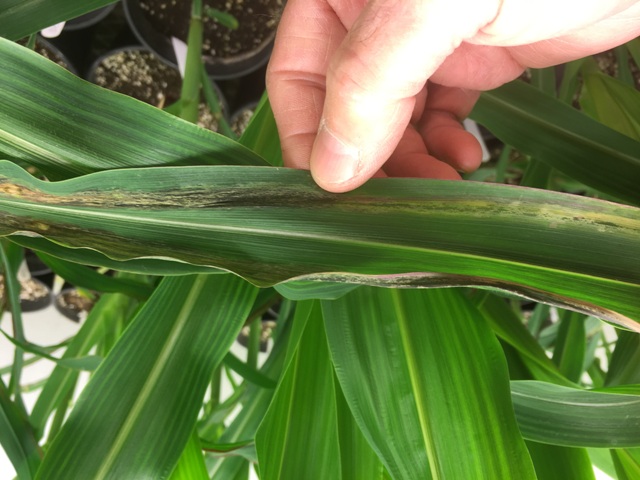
[184, 331]
[17, 437]
[573, 251]
[302, 417]
[613, 103]
[571, 417]
[93, 131]
[19, 18]
[446, 397]
[520, 115]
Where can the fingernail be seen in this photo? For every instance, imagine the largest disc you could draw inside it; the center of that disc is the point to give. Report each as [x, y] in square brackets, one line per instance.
[332, 161]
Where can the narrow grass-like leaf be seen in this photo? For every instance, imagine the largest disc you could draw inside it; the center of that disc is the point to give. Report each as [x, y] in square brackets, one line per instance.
[601, 459]
[623, 367]
[17, 437]
[245, 449]
[304, 290]
[191, 465]
[255, 403]
[9, 263]
[357, 458]
[152, 383]
[627, 463]
[509, 327]
[548, 129]
[261, 135]
[108, 309]
[84, 277]
[571, 417]
[570, 346]
[241, 368]
[271, 225]
[19, 18]
[298, 437]
[612, 102]
[145, 266]
[553, 462]
[427, 384]
[88, 363]
[93, 129]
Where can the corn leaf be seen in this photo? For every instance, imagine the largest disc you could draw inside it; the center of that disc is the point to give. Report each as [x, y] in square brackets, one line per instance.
[17, 437]
[623, 366]
[85, 277]
[521, 116]
[612, 102]
[570, 345]
[302, 417]
[574, 251]
[152, 382]
[255, 403]
[560, 463]
[109, 308]
[357, 458]
[627, 463]
[427, 383]
[510, 328]
[93, 129]
[560, 415]
[191, 465]
[19, 18]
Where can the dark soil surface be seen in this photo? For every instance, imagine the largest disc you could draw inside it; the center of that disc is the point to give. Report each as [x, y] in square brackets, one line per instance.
[240, 120]
[140, 75]
[48, 53]
[608, 63]
[257, 21]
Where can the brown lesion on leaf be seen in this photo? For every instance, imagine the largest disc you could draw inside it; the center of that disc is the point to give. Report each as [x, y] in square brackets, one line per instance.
[13, 190]
[192, 197]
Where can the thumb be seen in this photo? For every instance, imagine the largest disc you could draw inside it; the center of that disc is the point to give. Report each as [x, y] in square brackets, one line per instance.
[385, 60]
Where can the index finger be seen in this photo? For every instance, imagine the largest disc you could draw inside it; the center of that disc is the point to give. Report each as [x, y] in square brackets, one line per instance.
[309, 33]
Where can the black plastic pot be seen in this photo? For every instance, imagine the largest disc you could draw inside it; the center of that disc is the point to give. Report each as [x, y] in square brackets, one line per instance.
[217, 67]
[74, 306]
[38, 295]
[34, 295]
[89, 19]
[53, 53]
[161, 79]
[240, 118]
[38, 269]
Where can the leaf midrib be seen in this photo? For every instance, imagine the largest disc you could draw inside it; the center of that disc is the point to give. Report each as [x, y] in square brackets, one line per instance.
[142, 220]
[150, 383]
[420, 401]
[564, 131]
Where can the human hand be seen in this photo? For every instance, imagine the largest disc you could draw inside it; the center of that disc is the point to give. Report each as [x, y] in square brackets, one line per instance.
[362, 89]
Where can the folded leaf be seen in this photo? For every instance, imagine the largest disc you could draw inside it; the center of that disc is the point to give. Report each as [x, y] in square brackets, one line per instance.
[19, 18]
[612, 102]
[427, 383]
[546, 128]
[298, 437]
[271, 225]
[571, 417]
[108, 308]
[560, 463]
[152, 383]
[17, 437]
[93, 129]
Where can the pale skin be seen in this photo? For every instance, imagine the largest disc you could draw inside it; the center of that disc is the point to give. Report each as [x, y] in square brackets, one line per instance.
[379, 88]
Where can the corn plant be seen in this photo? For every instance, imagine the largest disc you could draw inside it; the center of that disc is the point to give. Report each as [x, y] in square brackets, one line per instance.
[402, 349]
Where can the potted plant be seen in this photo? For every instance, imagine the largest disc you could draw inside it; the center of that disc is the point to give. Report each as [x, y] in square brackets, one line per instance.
[367, 377]
[238, 35]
